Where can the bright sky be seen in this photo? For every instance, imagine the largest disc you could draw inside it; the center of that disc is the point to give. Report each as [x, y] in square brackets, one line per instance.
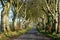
[0, 10]
[10, 14]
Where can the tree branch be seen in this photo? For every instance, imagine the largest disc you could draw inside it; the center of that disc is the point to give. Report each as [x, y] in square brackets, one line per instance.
[20, 7]
[48, 8]
[2, 3]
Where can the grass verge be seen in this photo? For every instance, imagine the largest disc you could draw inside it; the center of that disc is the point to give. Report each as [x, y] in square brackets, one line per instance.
[50, 35]
[10, 34]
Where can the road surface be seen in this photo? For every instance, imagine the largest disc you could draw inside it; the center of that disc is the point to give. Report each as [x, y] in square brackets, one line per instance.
[32, 35]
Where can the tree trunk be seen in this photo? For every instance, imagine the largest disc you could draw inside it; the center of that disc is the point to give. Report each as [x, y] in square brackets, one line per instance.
[5, 17]
[58, 16]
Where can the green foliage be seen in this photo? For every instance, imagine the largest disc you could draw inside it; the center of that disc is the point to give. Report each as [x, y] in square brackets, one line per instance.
[51, 35]
[35, 10]
[8, 35]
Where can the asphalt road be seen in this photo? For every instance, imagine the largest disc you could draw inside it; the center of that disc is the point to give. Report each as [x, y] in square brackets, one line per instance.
[32, 35]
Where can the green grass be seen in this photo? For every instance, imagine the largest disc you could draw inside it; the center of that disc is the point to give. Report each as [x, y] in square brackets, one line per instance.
[10, 34]
[50, 35]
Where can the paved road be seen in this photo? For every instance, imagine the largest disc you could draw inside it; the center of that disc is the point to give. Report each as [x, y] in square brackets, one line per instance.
[32, 35]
